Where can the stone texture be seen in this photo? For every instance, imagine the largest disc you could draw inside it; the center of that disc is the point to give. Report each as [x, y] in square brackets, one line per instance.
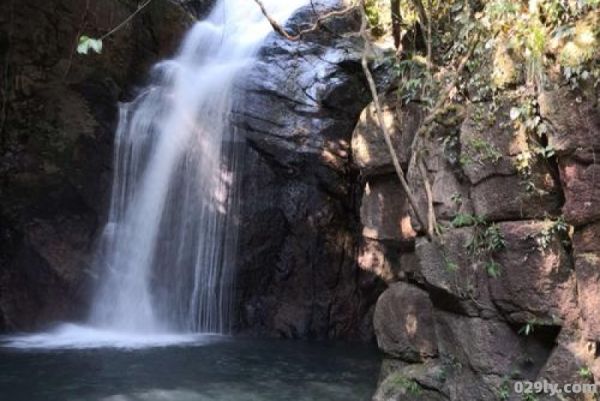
[488, 347]
[455, 280]
[490, 145]
[582, 189]
[586, 239]
[587, 267]
[404, 323]
[506, 198]
[535, 283]
[297, 108]
[450, 191]
[564, 367]
[369, 150]
[574, 117]
[489, 142]
[381, 258]
[384, 210]
[56, 142]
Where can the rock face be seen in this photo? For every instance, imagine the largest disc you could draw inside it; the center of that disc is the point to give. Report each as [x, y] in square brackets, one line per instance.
[299, 239]
[57, 121]
[404, 323]
[509, 289]
[298, 271]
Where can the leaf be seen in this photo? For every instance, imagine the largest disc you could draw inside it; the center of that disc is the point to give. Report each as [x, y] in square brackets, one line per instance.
[514, 113]
[96, 45]
[86, 44]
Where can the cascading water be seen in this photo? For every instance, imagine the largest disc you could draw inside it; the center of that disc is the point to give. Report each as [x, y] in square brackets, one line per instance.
[167, 250]
[166, 255]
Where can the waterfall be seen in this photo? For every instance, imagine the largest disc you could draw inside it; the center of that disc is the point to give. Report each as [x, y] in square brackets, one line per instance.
[166, 255]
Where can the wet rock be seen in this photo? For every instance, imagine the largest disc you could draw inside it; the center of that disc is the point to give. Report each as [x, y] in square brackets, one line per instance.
[404, 323]
[297, 109]
[55, 169]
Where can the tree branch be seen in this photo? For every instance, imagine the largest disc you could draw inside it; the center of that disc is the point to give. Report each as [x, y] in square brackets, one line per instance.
[386, 135]
[316, 26]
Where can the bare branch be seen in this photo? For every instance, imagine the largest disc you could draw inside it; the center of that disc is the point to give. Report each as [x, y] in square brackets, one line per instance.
[386, 135]
[316, 26]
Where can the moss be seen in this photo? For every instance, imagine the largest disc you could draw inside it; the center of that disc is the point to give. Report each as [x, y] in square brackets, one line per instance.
[506, 70]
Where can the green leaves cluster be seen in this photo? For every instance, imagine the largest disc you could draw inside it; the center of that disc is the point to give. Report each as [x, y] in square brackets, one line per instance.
[487, 239]
[87, 44]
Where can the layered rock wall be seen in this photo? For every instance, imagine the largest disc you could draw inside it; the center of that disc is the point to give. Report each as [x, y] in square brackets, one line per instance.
[509, 290]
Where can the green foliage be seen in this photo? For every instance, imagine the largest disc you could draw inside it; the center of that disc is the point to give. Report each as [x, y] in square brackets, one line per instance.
[585, 373]
[375, 14]
[485, 151]
[412, 74]
[86, 44]
[528, 328]
[466, 220]
[554, 229]
[530, 397]
[487, 239]
[402, 382]
[493, 269]
[504, 391]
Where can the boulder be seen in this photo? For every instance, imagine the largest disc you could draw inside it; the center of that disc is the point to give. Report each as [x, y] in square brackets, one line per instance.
[455, 279]
[581, 187]
[489, 142]
[563, 367]
[587, 267]
[586, 238]
[449, 190]
[574, 118]
[536, 283]
[384, 210]
[488, 347]
[369, 150]
[419, 382]
[404, 323]
[296, 108]
[490, 146]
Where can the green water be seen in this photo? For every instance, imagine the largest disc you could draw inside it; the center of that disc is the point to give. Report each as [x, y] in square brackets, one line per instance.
[222, 369]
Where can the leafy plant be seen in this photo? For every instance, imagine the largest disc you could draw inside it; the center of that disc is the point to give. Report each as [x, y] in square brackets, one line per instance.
[585, 373]
[528, 328]
[466, 220]
[530, 397]
[86, 44]
[504, 391]
[552, 230]
[411, 386]
[485, 151]
[493, 269]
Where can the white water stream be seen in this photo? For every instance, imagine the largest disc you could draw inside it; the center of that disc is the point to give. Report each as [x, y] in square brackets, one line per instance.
[166, 256]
